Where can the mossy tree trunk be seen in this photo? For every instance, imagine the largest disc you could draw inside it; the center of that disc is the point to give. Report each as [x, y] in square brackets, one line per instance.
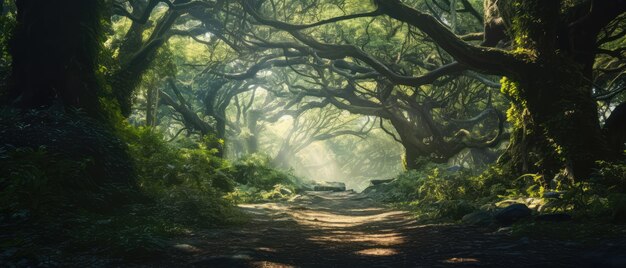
[553, 50]
[552, 87]
[54, 50]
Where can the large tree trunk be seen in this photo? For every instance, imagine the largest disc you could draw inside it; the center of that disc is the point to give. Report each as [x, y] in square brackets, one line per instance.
[220, 130]
[552, 86]
[136, 57]
[412, 157]
[252, 141]
[283, 158]
[54, 50]
[529, 150]
[152, 106]
[559, 102]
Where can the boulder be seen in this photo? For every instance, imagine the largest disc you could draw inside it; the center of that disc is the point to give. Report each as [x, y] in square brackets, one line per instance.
[378, 182]
[512, 213]
[553, 194]
[329, 186]
[478, 218]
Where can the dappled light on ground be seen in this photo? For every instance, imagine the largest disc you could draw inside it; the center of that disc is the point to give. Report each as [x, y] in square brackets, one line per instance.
[461, 260]
[344, 229]
[377, 252]
[269, 264]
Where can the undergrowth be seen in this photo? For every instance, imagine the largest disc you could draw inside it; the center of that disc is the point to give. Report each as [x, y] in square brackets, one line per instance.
[257, 181]
[180, 187]
[436, 193]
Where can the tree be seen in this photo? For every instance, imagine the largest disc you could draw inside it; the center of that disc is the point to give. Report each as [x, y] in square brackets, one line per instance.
[136, 55]
[547, 52]
[54, 60]
[7, 19]
[420, 109]
[548, 71]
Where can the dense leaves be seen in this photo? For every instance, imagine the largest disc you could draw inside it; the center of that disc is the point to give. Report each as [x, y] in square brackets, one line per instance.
[137, 120]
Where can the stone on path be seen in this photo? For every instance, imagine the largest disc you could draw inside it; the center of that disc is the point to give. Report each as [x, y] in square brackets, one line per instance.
[329, 186]
[478, 218]
[512, 213]
[378, 182]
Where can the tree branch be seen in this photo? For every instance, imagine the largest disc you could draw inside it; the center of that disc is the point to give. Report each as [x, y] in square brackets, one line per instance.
[488, 60]
[292, 27]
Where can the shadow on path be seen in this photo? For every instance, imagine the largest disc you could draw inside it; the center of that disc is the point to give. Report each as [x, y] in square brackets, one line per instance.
[323, 229]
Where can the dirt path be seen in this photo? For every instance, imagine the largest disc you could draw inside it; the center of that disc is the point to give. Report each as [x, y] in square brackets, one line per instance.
[347, 230]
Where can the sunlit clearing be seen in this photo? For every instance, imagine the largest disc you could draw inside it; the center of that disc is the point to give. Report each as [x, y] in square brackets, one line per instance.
[331, 220]
[358, 237]
[270, 264]
[318, 165]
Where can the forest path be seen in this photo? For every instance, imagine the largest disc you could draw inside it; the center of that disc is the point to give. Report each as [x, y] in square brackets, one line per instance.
[344, 229]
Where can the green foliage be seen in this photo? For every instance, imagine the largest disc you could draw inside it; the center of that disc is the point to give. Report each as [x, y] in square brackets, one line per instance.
[250, 194]
[180, 187]
[188, 180]
[602, 196]
[255, 171]
[7, 23]
[68, 150]
[515, 113]
[435, 193]
[258, 181]
[613, 175]
[38, 180]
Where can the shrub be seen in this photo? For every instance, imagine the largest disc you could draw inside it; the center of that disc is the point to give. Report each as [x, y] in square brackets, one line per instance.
[71, 156]
[161, 165]
[38, 180]
[434, 192]
[256, 171]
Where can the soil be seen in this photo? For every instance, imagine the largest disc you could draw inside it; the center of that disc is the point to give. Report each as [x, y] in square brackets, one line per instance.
[345, 229]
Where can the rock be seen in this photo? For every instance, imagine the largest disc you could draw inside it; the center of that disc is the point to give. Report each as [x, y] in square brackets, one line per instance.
[512, 213]
[186, 248]
[379, 191]
[508, 202]
[552, 194]
[378, 182]
[534, 203]
[478, 218]
[554, 217]
[329, 186]
[371, 189]
[506, 230]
